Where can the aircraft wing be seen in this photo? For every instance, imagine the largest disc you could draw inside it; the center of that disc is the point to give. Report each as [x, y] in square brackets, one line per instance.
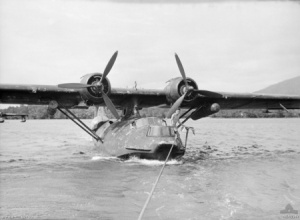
[95, 89]
[252, 101]
[38, 95]
[43, 94]
[152, 98]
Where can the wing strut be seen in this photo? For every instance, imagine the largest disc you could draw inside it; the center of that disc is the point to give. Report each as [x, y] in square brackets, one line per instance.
[80, 123]
[284, 108]
[187, 118]
[181, 116]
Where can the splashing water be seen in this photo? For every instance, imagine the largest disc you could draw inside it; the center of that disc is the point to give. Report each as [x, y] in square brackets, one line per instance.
[135, 160]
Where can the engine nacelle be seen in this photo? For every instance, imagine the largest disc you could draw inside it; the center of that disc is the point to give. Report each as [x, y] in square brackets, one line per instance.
[177, 88]
[205, 111]
[92, 95]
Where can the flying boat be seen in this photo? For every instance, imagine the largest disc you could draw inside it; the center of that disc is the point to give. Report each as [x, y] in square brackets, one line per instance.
[129, 134]
[5, 115]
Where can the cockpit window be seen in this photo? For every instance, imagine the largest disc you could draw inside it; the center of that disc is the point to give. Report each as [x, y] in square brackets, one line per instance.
[160, 131]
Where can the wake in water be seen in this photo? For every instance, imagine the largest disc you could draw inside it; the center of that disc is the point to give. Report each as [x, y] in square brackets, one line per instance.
[105, 158]
[208, 152]
[135, 160]
[223, 152]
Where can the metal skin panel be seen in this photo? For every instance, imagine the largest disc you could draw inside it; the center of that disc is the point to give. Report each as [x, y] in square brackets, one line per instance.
[123, 139]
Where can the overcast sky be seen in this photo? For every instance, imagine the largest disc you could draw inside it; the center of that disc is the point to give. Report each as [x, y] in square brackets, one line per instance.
[233, 46]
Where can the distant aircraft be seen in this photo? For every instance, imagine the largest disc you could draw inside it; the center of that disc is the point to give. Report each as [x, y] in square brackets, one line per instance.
[129, 134]
[4, 115]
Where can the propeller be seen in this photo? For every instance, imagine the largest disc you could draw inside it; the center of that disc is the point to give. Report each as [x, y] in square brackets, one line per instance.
[179, 64]
[109, 66]
[175, 106]
[110, 106]
[188, 89]
[98, 85]
[82, 86]
[201, 92]
[178, 102]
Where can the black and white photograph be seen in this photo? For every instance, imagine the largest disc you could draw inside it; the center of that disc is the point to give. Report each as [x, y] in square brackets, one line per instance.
[150, 109]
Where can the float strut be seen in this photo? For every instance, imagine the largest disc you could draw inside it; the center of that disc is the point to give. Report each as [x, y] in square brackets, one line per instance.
[187, 118]
[80, 124]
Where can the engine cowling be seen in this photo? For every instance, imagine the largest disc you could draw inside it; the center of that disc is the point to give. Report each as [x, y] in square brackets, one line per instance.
[177, 88]
[93, 95]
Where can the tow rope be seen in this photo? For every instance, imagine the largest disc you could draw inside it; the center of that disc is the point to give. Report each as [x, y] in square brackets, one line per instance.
[155, 184]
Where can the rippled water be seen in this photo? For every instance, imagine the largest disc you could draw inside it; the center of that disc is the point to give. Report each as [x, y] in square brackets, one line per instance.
[233, 169]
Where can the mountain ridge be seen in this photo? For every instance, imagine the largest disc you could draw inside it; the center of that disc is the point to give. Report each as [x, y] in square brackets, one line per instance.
[286, 87]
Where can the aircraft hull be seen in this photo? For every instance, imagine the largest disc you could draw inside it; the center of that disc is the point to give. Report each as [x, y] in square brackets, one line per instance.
[146, 138]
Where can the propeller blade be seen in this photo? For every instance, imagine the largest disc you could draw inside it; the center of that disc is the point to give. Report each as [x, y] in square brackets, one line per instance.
[74, 86]
[110, 105]
[179, 64]
[175, 106]
[209, 93]
[109, 66]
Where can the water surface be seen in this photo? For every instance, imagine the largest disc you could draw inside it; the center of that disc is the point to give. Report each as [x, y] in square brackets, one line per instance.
[233, 169]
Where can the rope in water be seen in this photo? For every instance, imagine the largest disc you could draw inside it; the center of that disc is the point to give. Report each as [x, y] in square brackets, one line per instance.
[155, 184]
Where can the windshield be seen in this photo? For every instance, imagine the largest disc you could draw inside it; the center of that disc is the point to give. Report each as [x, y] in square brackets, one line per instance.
[161, 131]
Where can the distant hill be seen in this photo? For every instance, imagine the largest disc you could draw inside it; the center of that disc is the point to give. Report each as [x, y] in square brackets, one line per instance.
[287, 87]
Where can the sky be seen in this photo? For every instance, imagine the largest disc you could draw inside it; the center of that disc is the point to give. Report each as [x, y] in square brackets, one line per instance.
[229, 46]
